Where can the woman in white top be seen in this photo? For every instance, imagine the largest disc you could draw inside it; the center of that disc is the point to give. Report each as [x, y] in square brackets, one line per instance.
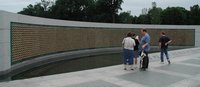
[128, 50]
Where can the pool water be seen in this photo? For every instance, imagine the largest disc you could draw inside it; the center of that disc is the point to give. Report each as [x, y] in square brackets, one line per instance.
[72, 65]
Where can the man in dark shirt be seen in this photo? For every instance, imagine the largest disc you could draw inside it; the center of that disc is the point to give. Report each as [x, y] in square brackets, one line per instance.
[163, 45]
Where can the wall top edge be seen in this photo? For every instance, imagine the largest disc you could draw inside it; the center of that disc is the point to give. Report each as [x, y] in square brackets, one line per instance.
[18, 18]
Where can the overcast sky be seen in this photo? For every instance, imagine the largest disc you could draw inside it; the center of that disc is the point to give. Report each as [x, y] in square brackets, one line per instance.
[135, 6]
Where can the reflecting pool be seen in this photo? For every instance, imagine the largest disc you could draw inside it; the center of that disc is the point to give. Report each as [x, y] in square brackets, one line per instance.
[72, 65]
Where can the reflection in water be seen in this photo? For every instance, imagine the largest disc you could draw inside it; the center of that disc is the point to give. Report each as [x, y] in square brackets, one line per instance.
[65, 66]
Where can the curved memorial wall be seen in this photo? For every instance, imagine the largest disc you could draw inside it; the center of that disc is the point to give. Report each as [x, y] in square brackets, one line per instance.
[23, 38]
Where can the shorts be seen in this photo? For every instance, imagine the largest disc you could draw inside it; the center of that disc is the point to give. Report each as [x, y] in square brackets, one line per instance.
[136, 54]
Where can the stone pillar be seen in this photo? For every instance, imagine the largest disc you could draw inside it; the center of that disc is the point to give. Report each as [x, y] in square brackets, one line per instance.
[5, 49]
[197, 35]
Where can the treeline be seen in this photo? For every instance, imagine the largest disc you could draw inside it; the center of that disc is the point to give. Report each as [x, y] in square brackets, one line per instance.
[78, 10]
[107, 11]
[170, 15]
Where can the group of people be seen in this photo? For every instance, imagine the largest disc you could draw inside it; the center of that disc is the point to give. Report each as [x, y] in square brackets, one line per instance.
[133, 47]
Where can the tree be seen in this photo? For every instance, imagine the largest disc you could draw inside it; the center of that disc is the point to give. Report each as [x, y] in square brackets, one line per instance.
[72, 9]
[143, 19]
[154, 15]
[175, 15]
[134, 20]
[107, 10]
[79, 10]
[125, 17]
[46, 4]
[28, 11]
[195, 15]
[115, 6]
[39, 9]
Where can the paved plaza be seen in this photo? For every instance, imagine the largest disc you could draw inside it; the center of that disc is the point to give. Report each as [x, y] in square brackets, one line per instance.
[184, 71]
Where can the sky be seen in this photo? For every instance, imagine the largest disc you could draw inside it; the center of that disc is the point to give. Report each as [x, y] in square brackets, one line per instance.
[135, 6]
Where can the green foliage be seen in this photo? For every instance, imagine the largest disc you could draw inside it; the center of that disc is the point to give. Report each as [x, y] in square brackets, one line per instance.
[125, 17]
[107, 11]
[174, 15]
[39, 9]
[194, 15]
[171, 16]
[79, 10]
[143, 19]
[154, 15]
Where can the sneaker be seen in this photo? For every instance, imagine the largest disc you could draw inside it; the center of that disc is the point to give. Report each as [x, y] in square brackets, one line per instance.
[161, 62]
[135, 67]
[125, 69]
[143, 69]
[169, 62]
